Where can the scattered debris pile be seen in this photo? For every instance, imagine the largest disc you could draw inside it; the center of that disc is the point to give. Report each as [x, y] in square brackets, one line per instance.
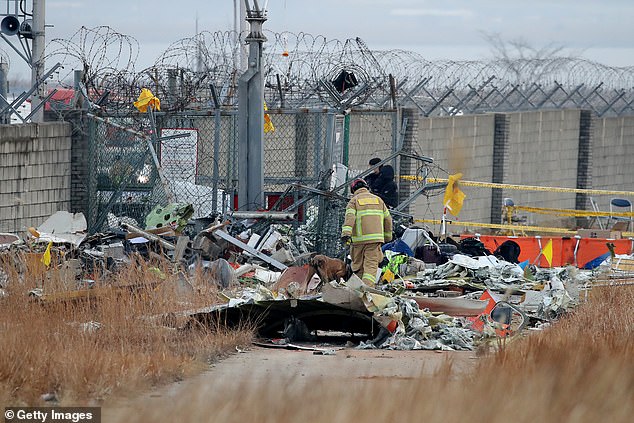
[433, 296]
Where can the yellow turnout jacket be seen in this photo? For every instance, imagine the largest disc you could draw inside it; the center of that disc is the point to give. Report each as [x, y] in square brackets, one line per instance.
[367, 219]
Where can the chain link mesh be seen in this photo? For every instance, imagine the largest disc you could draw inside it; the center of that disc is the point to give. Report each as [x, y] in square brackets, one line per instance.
[198, 156]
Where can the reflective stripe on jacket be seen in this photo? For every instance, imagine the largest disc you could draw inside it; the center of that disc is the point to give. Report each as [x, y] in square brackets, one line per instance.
[367, 219]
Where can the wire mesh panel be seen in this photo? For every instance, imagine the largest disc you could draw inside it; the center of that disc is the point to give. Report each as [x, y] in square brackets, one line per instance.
[204, 162]
[197, 154]
[371, 135]
[297, 150]
[122, 172]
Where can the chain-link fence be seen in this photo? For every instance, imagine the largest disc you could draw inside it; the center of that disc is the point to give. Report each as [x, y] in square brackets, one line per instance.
[197, 154]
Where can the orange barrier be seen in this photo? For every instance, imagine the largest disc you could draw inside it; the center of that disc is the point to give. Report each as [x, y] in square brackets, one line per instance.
[587, 249]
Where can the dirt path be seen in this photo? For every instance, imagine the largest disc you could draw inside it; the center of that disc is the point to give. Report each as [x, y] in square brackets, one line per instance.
[260, 368]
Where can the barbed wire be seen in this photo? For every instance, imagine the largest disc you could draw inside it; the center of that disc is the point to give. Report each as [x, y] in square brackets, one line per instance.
[296, 66]
[99, 52]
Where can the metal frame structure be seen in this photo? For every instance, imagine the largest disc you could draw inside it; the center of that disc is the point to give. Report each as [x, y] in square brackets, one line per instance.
[31, 27]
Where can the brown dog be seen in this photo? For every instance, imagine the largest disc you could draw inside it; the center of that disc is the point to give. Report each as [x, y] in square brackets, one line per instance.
[327, 269]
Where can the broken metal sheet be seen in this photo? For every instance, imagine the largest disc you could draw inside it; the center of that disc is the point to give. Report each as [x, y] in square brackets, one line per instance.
[206, 247]
[114, 250]
[251, 250]
[271, 315]
[415, 237]
[342, 295]
[462, 266]
[467, 262]
[267, 277]
[174, 216]
[251, 295]
[268, 242]
[63, 227]
[405, 320]
[374, 302]
[283, 256]
[532, 301]
[430, 284]
[293, 274]
[148, 236]
[451, 306]
[457, 338]
[296, 347]
[621, 265]
[402, 342]
[7, 239]
[244, 269]
[555, 302]
[138, 240]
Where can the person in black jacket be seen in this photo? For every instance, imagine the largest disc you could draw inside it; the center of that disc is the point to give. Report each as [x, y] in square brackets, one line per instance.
[372, 177]
[385, 187]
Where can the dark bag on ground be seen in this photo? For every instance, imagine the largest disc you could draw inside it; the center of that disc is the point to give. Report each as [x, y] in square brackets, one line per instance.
[509, 251]
[473, 247]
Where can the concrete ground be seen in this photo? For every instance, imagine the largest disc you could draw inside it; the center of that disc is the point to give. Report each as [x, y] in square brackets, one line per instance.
[270, 366]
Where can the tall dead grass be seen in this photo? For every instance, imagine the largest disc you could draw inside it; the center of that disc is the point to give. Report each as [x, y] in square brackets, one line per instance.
[54, 348]
[580, 370]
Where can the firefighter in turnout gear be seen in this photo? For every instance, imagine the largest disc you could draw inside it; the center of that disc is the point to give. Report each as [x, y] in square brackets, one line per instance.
[367, 225]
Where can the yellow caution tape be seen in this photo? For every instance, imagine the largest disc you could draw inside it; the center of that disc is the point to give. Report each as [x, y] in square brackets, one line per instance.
[570, 212]
[511, 227]
[524, 187]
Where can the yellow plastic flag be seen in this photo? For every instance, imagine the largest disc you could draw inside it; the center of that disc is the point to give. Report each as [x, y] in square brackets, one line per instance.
[147, 99]
[548, 252]
[46, 257]
[454, 197]
[268, 123]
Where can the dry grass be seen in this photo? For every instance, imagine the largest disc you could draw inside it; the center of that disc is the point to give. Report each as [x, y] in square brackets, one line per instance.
[46, 350]
[581, 370]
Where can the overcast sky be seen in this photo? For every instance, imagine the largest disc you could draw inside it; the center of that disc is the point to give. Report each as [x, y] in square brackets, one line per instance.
[447, 29]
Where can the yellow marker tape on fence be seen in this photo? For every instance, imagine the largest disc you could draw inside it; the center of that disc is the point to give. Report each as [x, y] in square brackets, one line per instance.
[525, 187]
[511, 227]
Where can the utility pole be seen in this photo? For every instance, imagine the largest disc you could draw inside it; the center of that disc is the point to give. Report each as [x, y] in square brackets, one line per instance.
[37, 58]
[239, 28]
[251, 116]
[243, 30]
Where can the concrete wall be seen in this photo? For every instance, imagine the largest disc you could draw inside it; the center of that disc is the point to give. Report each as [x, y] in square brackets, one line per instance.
[613, 156]
[543, 150]
[35, 173]
[458, 144]
[559, 148]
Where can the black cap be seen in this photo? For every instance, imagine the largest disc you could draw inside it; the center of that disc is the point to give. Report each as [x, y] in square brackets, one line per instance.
[374, 161]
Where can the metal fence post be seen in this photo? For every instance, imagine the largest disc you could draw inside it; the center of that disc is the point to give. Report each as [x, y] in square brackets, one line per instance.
[346, 138]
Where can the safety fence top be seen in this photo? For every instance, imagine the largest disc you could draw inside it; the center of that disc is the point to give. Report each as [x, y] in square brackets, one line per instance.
[306, 71]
